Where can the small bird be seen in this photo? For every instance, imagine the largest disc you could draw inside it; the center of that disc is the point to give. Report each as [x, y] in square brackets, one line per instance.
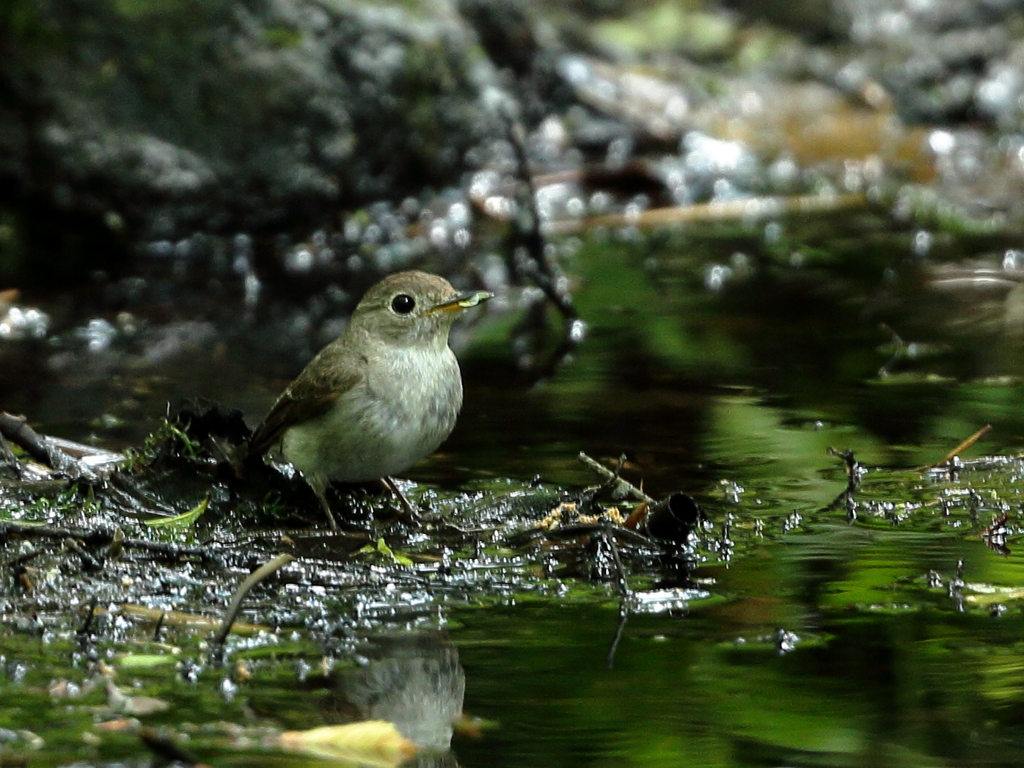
[381, 396]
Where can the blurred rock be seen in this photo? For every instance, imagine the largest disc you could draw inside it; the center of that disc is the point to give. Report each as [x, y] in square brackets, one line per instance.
[175, 116]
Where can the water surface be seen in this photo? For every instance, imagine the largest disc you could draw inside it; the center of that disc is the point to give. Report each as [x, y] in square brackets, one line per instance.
[724, 363]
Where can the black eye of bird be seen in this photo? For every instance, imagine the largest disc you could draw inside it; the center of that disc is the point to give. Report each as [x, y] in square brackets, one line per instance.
[403, 304]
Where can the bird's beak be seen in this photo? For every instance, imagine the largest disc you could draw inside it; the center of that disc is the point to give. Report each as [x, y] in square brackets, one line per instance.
[462, 301]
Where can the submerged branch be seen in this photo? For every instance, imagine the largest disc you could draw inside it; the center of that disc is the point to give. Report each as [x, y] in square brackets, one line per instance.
[251, 581]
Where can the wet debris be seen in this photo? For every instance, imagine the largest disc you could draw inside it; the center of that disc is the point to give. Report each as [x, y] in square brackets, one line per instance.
[16, 429]
[785, 641]
[589, 538]
[161, 537]
[672, 521]
[996, 533]
[675, 519]
[979, 496]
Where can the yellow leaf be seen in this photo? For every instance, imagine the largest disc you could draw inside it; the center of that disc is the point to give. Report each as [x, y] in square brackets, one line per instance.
[373, 743]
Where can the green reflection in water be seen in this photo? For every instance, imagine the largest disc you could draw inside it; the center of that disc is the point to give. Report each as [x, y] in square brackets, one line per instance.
[896, 685]
[809, 339]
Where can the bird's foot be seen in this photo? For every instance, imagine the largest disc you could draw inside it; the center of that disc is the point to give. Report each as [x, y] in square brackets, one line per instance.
[319, 486]
[410, 515]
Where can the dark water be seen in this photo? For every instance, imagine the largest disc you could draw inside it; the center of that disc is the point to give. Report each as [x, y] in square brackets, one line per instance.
[896, 685]
[725, 363]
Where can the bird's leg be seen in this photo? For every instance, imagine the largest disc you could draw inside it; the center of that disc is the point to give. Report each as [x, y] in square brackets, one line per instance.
[319, 486]
[410, 515]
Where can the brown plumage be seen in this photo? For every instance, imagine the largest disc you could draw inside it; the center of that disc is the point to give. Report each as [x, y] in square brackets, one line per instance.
[380, 397]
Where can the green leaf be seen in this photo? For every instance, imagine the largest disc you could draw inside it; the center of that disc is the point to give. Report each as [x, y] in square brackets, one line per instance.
[382, 549]
[146, 660]
[183, 520]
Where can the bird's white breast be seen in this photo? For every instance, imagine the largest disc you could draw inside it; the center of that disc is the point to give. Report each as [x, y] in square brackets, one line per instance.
[400, 413]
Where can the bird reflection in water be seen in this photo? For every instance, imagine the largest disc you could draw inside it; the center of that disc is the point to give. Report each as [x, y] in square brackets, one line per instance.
[413, 680]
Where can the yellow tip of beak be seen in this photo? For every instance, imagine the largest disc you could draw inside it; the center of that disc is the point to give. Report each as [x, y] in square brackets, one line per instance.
[462, 301]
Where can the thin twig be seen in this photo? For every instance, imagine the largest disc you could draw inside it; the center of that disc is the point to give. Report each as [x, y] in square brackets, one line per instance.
[962, 447]
[86, 627]
[573, 331]
[623, 616]
[530, 258]
[538, 267]
[17, 430]
[899, 351]
[620, 571]
[102, 537]
[251, 581]
[621, 487]
[846, 497]
[159, 627]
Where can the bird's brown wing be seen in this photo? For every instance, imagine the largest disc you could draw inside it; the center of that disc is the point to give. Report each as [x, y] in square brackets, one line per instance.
[306, 398]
